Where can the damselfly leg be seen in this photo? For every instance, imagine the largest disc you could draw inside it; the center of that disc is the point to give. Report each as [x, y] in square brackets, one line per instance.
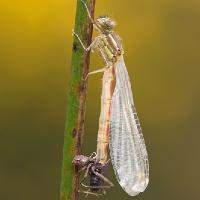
[89, 15]
[91, 47]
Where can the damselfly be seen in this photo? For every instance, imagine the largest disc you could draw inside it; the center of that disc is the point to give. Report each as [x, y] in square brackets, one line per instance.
[119, 118]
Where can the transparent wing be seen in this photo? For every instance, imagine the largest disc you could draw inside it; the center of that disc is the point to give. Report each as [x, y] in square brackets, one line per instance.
[127, 147]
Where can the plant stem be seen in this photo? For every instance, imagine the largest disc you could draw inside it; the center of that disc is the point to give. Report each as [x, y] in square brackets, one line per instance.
[74, 126]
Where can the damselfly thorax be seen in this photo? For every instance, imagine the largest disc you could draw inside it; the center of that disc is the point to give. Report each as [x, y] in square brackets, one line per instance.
[110, 47]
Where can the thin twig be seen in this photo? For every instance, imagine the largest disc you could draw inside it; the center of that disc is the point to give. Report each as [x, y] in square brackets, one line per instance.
[74, 126]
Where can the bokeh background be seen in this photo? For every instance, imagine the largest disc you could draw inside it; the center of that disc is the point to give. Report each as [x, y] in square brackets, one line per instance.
[162, 51]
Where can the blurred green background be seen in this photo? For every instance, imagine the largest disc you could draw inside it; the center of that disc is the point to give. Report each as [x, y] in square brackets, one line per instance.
[162, 52]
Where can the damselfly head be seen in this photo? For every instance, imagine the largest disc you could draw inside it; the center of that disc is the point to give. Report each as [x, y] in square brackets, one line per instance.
[105, 24]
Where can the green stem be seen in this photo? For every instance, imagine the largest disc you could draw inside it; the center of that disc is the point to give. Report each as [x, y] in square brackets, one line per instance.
[74, 126]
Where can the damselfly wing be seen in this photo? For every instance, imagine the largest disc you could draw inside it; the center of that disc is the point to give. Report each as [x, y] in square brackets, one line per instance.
[127, 148]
